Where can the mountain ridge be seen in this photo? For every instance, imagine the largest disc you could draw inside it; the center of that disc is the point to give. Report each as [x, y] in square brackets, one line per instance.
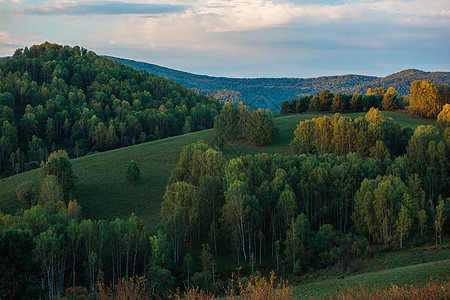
[271, 92]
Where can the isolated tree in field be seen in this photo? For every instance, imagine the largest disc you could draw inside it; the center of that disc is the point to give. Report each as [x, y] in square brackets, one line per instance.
[133, 173]
[439, 220]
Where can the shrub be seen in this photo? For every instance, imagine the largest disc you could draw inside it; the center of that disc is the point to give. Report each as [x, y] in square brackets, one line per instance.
[132, 289]
[192, 294]
[77, 292]
[261, 288]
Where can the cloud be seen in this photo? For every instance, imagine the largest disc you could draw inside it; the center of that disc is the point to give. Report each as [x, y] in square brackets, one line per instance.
[8, 44]
[101, 8]
[246, 37]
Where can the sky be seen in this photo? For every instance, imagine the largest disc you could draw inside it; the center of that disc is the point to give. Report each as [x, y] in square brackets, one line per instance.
[232, 38]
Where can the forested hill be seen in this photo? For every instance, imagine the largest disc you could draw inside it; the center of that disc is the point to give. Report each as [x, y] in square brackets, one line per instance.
[61, 97]
[271, 92]
[401, 81]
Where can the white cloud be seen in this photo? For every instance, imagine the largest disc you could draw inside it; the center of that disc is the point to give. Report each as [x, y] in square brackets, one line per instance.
[79, 8]
[240, 34]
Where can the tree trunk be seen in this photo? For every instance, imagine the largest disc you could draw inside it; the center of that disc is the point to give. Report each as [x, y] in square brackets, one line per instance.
[135, 255]
[73, 267]
[126, 268]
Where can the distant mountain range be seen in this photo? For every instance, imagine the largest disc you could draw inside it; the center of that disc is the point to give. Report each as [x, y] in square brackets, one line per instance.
[271, 92]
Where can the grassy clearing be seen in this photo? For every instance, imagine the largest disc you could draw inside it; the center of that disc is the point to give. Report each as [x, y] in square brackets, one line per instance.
[101, 187]
[407, 275]
[103, 192]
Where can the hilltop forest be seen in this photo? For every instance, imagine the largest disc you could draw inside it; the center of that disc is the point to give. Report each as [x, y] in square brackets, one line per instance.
[54, 97]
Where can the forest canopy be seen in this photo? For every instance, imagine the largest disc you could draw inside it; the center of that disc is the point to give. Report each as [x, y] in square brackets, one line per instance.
[60, 97]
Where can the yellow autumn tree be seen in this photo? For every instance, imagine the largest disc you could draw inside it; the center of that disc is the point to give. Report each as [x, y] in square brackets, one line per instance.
[424, 99]
[443, 119]
[374, 116]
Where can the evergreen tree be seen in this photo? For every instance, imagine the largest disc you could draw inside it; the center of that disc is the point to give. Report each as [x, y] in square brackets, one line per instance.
[133, 173]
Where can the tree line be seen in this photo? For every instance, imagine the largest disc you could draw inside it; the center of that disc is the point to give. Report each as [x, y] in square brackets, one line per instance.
[426, 100]
[379, 98]
[265, 205]
[293, 212]
[242, 122]
[311, 209]
[60, 97]
[370, 136]
[49, 246]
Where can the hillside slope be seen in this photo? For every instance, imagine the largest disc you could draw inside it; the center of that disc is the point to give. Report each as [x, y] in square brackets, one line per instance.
[61, 97]
[406, 275]
[271, 92]
[104, 193]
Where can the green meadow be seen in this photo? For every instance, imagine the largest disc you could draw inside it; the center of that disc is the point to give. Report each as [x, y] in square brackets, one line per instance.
[401, 276]
[103, 192]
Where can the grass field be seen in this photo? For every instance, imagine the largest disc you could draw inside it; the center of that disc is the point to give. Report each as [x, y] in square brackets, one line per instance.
[103, 192]
[407, 275]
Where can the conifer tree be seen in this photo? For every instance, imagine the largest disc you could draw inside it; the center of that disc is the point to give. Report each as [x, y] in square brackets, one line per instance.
[133, 173]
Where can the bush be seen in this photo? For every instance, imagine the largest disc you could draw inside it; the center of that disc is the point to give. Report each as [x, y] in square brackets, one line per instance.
[77, 292]
[192, 294]
[132, 289]
[261, 288]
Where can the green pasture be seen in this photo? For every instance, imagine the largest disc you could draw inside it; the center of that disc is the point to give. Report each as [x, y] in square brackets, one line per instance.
[407, 275]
